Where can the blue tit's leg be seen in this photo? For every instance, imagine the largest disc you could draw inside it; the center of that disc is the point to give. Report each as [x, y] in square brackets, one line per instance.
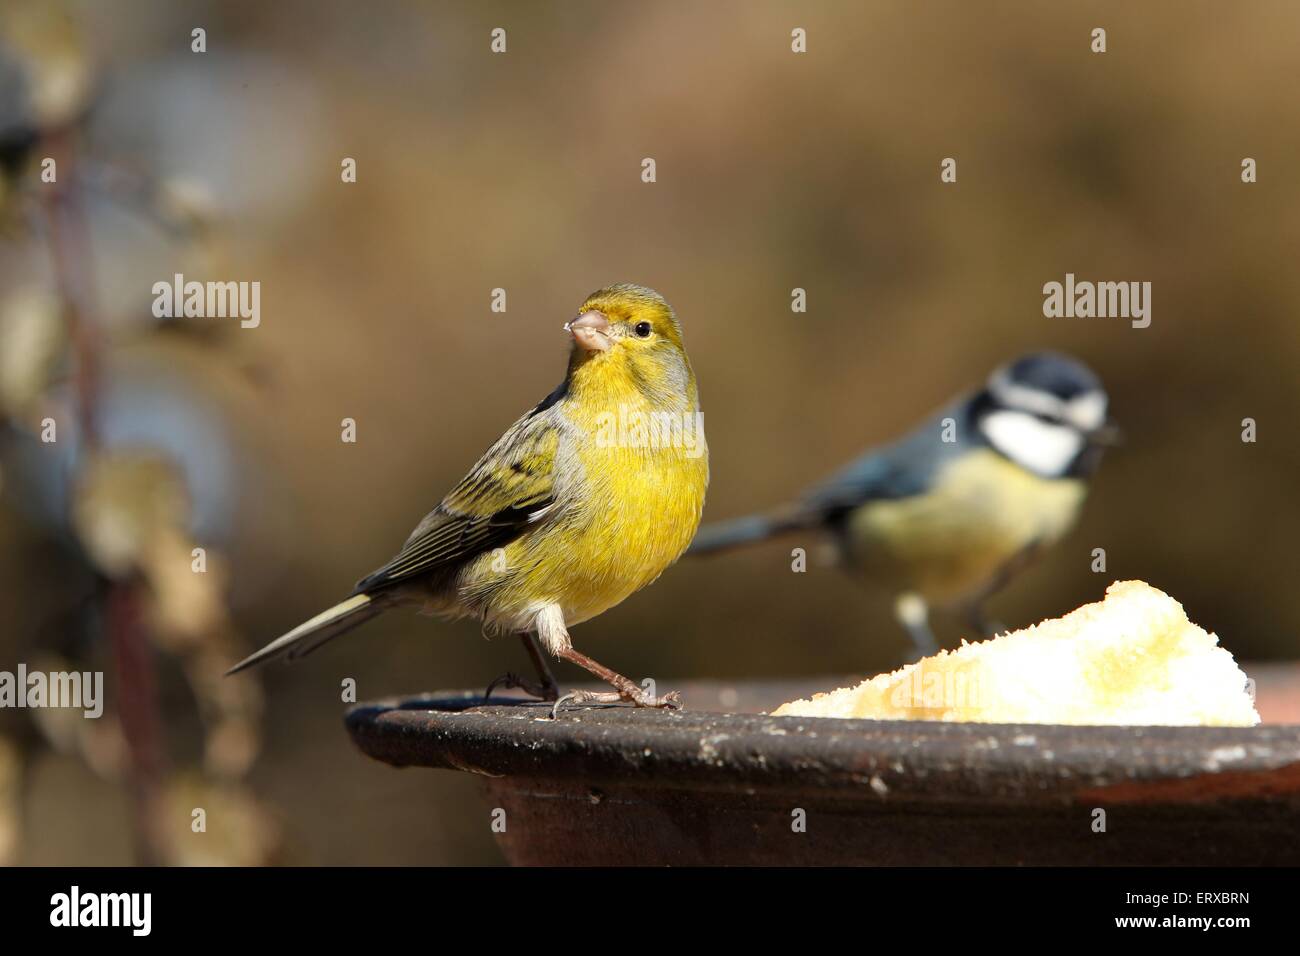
[979, 621]
[912, 613]
[546, 688]
[973, 610]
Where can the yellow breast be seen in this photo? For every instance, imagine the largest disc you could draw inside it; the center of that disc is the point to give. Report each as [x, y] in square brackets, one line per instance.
[981, 512]
[629, 503]
[645, 509]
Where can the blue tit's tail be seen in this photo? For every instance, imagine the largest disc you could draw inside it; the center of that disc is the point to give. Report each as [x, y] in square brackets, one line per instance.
[308, 636]
[739, 532]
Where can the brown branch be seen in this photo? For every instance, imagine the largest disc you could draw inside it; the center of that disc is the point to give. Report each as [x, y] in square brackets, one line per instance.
[130, 647]
[69, 242]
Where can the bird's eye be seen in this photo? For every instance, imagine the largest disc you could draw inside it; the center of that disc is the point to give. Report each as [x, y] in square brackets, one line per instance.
[642, 330]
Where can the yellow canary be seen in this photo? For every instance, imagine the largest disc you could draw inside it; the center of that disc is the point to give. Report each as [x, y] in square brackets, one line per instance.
[584, 500]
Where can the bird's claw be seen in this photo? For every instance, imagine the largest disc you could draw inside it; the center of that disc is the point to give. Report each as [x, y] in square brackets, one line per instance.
[532, 688]
[640, 698]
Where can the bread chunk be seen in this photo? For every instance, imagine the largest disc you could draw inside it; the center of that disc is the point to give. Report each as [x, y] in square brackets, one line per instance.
[1133, 658]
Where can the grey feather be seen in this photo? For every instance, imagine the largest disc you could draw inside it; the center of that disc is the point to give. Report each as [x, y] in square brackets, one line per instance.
[306, 637]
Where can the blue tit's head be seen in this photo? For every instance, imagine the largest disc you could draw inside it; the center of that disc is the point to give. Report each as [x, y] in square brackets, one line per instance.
[1047, 413]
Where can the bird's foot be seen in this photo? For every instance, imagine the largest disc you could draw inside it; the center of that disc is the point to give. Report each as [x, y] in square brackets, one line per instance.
[914, 615]
[923, 645]
[538, 689]
[630, 694]
[983, 626]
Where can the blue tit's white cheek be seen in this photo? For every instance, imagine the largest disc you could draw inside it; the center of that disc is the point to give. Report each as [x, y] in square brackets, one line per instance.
[1087, 411]
[1045, 448]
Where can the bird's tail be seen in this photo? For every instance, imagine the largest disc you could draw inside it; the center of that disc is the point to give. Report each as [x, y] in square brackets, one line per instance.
[308, 636]
[739, 532]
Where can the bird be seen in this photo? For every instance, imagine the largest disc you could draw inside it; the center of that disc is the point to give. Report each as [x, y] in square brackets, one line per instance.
[948, 514]
[583, 501]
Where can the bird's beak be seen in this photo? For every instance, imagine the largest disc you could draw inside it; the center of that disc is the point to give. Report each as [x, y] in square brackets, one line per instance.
[591, 331]
[1107, 435]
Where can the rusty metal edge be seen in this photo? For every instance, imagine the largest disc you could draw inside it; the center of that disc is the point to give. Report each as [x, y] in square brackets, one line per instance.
[848, 759]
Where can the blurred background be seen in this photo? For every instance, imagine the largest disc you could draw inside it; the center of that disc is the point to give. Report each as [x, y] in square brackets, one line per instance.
[522, 171]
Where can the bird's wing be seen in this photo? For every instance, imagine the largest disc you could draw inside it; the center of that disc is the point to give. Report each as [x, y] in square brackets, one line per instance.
[900, 470]
[509, 488]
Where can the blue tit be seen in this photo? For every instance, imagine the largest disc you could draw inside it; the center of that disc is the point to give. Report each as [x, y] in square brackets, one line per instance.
[947, 514]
